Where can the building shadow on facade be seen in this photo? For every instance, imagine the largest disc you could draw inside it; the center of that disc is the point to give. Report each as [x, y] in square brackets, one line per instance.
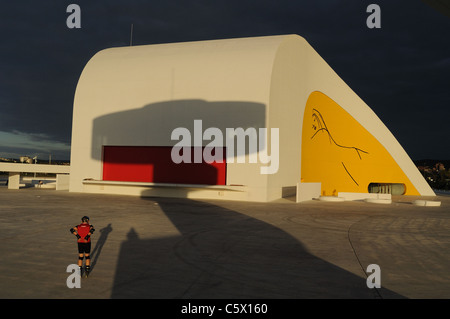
[135, 145]
[154, 123]
[222, 254]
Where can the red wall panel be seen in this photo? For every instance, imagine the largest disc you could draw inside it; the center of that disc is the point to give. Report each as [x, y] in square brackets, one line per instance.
[154, 164]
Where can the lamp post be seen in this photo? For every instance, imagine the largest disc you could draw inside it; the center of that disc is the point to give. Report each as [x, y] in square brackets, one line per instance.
[35, 162]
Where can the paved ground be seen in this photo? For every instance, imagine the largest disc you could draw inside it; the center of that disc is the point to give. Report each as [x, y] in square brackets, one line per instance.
[180, 248]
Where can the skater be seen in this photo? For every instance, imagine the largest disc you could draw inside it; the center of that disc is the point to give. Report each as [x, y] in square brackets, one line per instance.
[83, 233]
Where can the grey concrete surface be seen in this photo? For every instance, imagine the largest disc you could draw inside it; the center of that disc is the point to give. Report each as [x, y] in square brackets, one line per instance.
[181, 248]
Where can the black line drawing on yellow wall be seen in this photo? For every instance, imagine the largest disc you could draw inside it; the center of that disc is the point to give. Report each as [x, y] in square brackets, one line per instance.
[349, 174]
[319, 125]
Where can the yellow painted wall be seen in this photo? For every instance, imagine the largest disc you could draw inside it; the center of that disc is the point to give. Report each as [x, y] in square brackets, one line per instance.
[341, 154]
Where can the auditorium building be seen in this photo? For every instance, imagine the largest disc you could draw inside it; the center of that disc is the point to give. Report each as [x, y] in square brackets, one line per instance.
[252, 119]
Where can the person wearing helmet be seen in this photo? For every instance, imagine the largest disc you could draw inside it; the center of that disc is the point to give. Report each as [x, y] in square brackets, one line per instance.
[83, 233]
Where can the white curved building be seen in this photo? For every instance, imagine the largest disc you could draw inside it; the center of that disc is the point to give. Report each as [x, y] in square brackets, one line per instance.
[133, 105]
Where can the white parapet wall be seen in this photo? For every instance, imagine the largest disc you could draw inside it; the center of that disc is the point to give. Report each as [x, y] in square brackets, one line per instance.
[14, 180]
[307, 191]
[62, 182]
[15, 169]
[34, 168]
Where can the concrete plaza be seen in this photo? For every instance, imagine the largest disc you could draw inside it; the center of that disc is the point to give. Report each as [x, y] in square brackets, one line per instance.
[191, 249]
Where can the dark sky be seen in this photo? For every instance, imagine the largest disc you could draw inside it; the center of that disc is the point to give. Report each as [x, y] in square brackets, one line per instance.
[400, 70]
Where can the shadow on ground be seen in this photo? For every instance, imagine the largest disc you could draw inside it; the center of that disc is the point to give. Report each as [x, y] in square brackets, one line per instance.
[224, 254]
[96, 252]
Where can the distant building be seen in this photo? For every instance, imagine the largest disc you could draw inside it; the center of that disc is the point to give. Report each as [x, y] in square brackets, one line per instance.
[26, 159]
[130, 101]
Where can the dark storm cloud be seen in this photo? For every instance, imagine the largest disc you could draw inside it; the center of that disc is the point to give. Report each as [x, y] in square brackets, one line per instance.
[401, 70]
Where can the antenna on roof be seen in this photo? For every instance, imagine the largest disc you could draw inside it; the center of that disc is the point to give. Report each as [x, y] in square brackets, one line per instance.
[131, 36]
